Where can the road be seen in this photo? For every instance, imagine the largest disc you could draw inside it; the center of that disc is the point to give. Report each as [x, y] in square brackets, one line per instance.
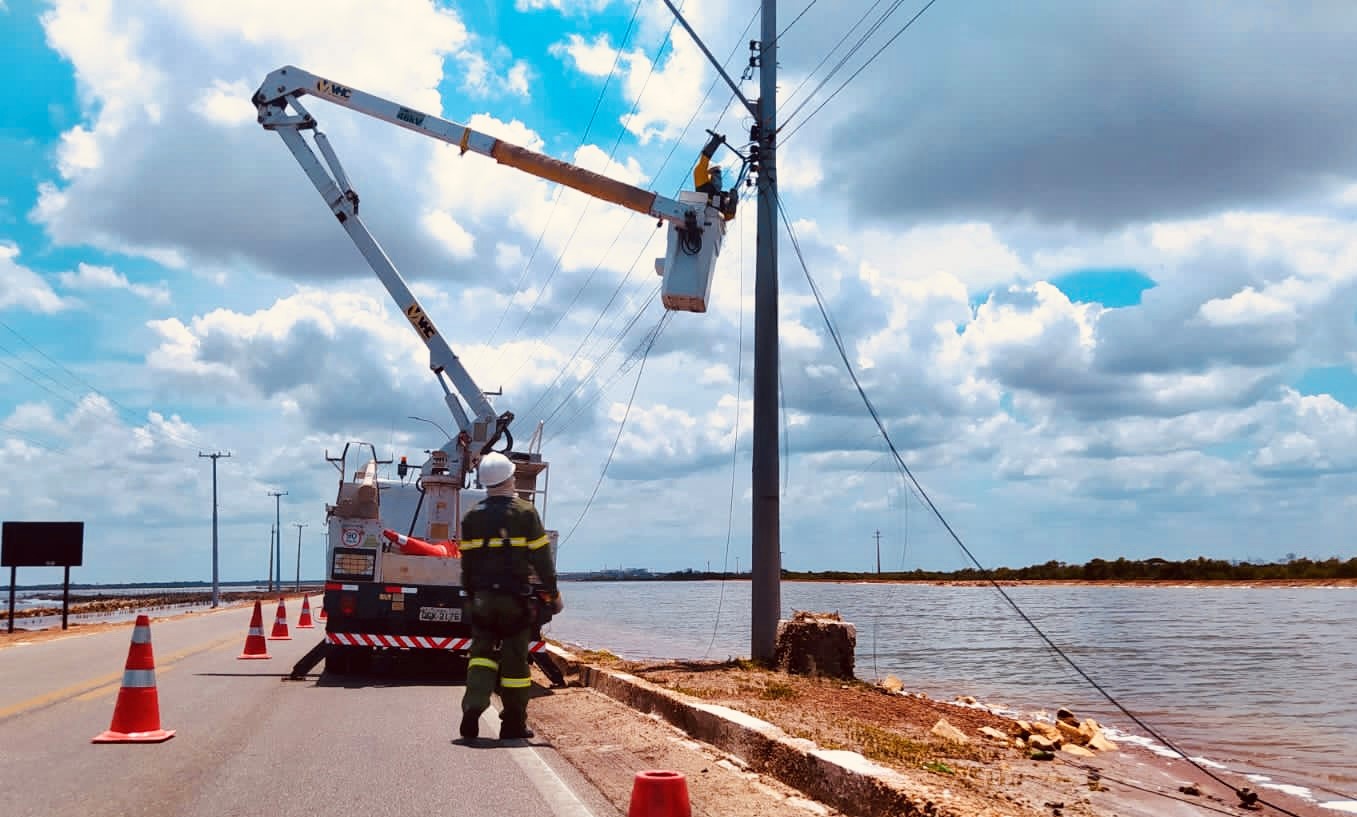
[249, 743]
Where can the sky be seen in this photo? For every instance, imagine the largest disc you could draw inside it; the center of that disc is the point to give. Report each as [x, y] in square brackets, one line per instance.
[1097, 273]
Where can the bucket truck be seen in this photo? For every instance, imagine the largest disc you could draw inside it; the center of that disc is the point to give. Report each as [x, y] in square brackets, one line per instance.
[380, 594]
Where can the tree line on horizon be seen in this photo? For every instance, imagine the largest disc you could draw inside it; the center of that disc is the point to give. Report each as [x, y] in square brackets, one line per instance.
[1121, 569]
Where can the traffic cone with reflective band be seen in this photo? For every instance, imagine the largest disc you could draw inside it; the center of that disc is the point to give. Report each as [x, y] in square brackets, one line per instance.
[658, 793]
[136, 715]
[304, 620]
[255, 647]
[280, 624]
[322, 611]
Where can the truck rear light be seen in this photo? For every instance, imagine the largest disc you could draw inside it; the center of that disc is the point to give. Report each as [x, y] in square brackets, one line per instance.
[348, 604]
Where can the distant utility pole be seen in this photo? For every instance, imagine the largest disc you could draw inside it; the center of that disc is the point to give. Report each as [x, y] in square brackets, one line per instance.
[273, 531]
[766, 570]
[216, 594]
[278, 526]
[878, 552]
[299, 526]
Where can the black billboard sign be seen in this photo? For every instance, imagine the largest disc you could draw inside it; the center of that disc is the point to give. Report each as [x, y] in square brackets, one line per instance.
[42, 544]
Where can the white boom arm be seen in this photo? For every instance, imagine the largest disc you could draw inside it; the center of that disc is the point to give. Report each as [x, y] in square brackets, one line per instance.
[687, 268]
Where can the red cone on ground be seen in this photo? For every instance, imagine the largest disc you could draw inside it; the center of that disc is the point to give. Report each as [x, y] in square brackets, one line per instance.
[136, 715]
[658, 793]
[254, 642]
[322, 611]
[304, 620]
[280, 624]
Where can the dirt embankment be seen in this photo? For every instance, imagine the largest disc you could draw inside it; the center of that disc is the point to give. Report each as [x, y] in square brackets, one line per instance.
[981, 762]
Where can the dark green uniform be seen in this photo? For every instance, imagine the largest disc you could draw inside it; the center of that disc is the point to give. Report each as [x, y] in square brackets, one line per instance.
[503, 543]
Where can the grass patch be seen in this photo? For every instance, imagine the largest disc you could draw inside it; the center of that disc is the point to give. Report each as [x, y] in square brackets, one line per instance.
[596, 656]
[778, 691]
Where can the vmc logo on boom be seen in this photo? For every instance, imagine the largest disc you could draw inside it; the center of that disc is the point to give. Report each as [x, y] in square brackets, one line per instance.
[333, 89]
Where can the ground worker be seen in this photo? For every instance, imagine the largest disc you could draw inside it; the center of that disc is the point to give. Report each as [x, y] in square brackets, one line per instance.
[503, 543]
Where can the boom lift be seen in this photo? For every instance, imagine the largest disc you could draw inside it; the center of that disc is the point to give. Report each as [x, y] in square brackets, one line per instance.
[369, 584]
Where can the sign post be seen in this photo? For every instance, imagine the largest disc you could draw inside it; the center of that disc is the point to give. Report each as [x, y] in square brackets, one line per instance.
[42, 544]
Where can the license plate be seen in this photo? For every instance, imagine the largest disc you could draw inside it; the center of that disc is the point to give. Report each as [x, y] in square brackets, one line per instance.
[440, 614]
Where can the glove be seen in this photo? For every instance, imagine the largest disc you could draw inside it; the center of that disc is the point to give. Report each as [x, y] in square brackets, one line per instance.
[712, 144]
[556, 603]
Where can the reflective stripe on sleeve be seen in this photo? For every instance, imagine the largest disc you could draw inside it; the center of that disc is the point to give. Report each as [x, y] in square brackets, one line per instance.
[539, 543]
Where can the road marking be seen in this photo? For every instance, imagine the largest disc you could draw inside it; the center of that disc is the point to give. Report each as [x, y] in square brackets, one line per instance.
[559, 796]
[96, 687]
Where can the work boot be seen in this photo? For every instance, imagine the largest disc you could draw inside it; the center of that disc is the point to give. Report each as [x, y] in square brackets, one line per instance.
[513, 731]
[471, 725]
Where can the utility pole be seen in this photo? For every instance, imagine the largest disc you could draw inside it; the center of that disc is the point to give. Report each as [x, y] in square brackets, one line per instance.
[278, 526]
[216, 592]
[878, 553]
[299, 526]
[273, 531]
[766, 572]
[766, 569]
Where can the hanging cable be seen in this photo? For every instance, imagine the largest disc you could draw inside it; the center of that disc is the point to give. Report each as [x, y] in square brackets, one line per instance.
[1245, 795]
[734, 453]
[654, 336]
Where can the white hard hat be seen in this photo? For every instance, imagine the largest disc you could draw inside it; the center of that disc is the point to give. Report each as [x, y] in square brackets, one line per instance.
[494, 469]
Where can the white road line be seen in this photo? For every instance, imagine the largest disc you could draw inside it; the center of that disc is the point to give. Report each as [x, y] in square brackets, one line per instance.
[559, 796]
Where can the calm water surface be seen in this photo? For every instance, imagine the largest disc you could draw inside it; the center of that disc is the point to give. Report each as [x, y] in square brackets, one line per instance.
[1262, 680]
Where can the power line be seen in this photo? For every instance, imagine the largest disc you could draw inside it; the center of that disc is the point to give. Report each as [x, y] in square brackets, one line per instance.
[861, 68]
[788, 27]
[654, 336]
[862, 40]
[673, 148]
[1244, 794]
[612, 155]
[561, 190]
[127, 412]
[829, 54]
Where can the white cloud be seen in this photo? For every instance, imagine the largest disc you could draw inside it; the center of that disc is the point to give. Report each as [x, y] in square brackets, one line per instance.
[226, 103]
[451, 234]
[595, 59]
[1247, 306]
[91, 277]
[22, 288]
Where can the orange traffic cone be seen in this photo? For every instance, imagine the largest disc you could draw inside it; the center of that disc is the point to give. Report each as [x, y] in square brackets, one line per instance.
[280, 624]
[254, 642]
[322, 611]
[304, 620]
[136, 715]
[659, 794]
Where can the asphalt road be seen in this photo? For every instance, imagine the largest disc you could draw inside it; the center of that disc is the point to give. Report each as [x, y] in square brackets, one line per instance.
[249, 743]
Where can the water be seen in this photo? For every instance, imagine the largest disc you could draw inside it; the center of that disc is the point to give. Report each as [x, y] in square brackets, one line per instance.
[29, 599]
[1260, 680]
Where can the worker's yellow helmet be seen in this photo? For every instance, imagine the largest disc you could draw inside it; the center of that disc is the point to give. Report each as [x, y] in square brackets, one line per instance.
[494, 469]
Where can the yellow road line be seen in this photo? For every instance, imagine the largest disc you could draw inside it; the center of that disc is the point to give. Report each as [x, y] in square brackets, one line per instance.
[95, 687]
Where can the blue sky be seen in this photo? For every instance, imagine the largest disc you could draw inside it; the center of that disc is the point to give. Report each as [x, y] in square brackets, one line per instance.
[1095, 340]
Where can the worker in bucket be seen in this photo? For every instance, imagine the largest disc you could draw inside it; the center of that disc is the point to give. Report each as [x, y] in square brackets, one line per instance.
[503, 542]
[707, 178]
